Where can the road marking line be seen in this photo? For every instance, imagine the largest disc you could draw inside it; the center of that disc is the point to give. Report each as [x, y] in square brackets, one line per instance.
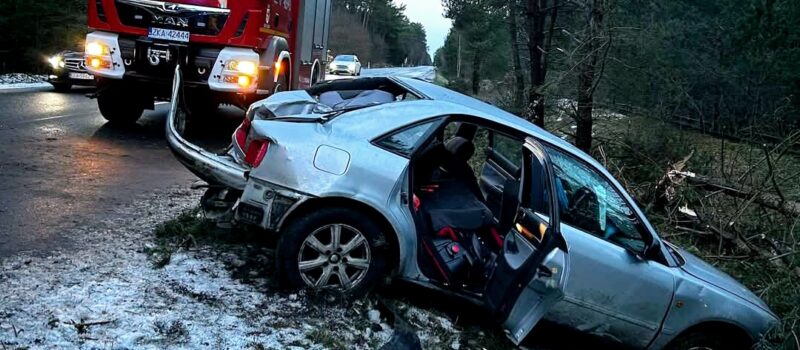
[46, 118]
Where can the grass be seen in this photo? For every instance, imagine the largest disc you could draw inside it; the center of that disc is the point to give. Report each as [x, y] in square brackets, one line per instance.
[326, 338]
[246, 252]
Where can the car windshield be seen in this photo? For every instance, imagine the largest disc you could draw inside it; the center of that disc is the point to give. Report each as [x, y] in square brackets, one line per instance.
[345, 58]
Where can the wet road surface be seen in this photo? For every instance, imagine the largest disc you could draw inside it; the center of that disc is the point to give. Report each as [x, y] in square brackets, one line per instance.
[62, 164]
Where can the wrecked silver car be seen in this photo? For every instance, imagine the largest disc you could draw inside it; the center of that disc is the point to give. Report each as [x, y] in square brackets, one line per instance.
[388, 176]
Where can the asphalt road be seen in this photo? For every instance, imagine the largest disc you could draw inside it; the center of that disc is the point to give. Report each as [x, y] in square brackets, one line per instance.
[62, 164]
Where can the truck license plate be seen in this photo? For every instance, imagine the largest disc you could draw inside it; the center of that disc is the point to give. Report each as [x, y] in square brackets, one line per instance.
[168, 34]
[83, 76]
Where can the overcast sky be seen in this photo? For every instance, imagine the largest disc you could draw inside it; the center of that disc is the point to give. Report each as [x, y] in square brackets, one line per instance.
[429, 14]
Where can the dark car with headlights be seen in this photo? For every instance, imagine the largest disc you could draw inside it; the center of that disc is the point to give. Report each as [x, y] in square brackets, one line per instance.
[68, 68]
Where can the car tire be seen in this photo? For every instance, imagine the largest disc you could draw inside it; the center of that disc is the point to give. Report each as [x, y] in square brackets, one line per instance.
[364, 266]
[117, 105]
[62, 87]
[698, 340]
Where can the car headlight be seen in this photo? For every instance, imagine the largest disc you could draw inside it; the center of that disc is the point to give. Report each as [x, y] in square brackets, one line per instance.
[56, 62]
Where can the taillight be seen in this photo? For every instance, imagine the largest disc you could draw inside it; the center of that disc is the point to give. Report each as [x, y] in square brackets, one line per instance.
[256, 151]
[241, 133]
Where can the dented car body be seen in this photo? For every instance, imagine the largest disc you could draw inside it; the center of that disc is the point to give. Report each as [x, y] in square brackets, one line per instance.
[541, 230]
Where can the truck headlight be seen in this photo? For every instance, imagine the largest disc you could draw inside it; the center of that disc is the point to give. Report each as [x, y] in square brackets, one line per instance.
[244, 72]
[96, 49]
[56, 61]
[244, 67]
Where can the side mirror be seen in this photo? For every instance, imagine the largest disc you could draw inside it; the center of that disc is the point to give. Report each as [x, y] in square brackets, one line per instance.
[647, 253]
[639, 256]
[653, 248]
[561, 243]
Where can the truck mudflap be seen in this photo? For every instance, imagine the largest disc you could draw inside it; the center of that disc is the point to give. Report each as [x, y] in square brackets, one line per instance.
[216, 169]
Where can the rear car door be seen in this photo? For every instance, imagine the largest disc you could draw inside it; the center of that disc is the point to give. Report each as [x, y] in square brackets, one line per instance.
[533, 265]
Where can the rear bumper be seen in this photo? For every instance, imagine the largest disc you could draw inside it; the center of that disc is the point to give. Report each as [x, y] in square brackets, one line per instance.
[213, 168]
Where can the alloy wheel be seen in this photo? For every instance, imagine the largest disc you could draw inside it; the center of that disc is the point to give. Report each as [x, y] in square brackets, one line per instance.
[335, 256]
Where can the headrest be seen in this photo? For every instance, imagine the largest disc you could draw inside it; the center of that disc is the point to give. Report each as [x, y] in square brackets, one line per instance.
[330, 98]
[461, 148]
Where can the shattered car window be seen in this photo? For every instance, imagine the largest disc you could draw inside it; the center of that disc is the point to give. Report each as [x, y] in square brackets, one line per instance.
[590, 203]
[404, 142]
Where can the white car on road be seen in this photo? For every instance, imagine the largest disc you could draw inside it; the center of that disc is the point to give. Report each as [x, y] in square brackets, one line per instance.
[345, 64]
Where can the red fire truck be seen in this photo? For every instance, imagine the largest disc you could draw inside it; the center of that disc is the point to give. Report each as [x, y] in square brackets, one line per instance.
[230, 51]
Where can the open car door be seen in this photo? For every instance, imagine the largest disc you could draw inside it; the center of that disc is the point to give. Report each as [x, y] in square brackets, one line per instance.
[533, 265]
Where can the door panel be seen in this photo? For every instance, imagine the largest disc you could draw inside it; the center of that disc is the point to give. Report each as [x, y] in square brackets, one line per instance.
[531, 272]
[539, 296]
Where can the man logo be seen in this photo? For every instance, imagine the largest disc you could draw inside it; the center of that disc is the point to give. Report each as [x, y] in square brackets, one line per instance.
[171, 21]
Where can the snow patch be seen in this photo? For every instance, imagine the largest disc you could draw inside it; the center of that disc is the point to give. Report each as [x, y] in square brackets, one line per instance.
[107, 294]
[23, 81]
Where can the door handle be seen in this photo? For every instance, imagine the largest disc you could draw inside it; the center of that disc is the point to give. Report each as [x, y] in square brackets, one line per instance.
[545, 271]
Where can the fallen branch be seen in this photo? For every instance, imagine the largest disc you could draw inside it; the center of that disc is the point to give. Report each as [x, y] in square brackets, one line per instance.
[82, 326]
[765, 199]
[665, 189]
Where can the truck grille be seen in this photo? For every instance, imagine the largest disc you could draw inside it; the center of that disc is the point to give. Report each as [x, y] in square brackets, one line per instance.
[194, 19]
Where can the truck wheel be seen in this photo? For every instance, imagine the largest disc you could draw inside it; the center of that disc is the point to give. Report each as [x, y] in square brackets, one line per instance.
[201, 102]
[315, 76]
[282, 84]
[62, 87]
[117, 105]
[333, 249]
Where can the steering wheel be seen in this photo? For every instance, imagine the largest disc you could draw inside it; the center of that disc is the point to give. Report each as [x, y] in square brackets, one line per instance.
[584, 209]
[580, 197]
